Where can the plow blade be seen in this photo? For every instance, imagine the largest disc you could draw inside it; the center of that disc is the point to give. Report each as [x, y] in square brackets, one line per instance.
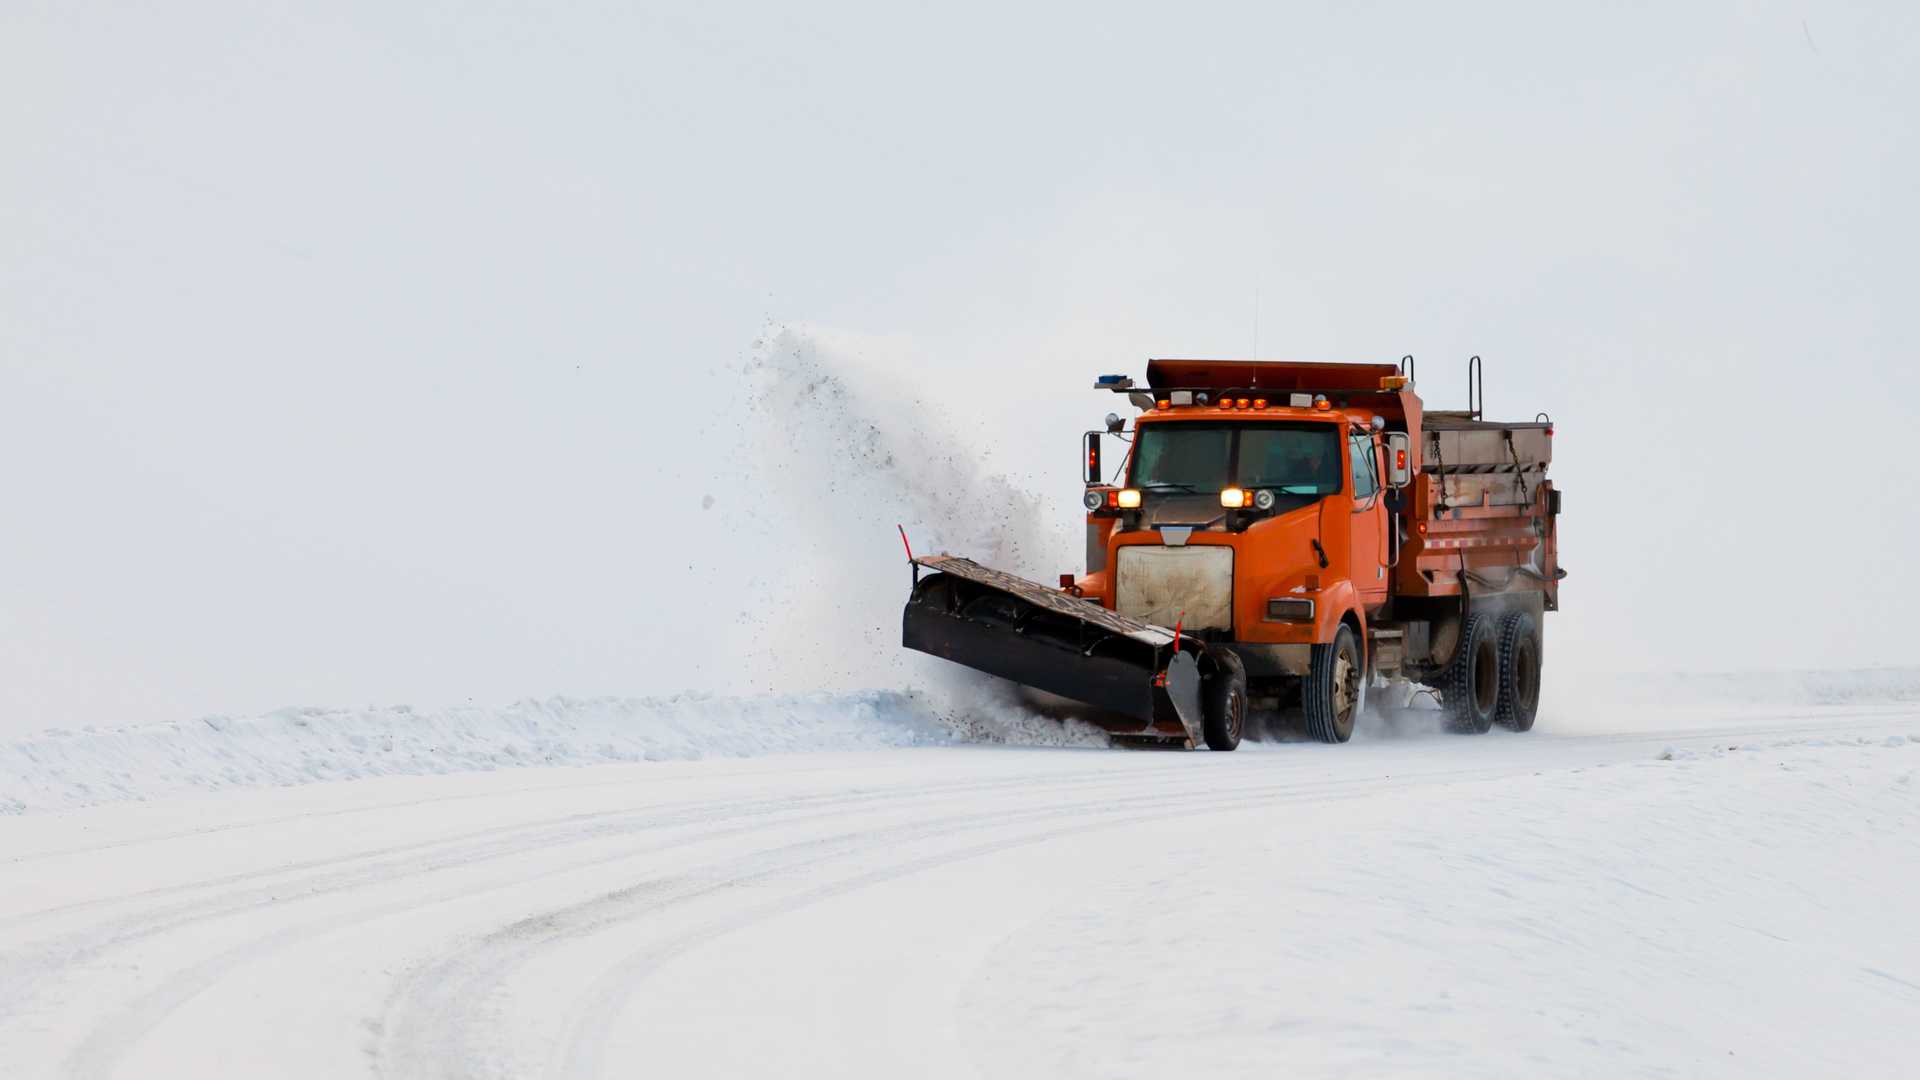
[1144, 679]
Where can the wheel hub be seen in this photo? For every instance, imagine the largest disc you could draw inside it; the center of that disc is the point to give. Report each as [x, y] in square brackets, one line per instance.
[1346, 683]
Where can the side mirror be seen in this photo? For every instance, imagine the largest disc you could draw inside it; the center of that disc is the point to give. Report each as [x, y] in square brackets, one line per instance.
[1093, 457]
[1114, 423]
[1399, 460]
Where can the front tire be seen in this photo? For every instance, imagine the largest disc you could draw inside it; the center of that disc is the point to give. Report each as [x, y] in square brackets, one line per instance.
[1332, 692]
[1224, 716]
[1470, 685]
[1519, 672]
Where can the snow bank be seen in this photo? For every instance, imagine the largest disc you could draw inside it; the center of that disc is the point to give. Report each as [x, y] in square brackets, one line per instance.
[64, 768]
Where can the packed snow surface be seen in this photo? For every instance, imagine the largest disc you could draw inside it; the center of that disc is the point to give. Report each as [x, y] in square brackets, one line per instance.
[1725, 895]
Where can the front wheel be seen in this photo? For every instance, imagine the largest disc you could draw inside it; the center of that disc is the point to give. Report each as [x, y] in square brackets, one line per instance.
[1225, 714]
[1336, 682]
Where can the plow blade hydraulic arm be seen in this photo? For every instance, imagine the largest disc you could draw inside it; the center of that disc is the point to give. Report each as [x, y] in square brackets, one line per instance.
[1146, 676]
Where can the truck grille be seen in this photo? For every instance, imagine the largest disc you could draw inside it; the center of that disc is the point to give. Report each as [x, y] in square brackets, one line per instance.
[1192, 585]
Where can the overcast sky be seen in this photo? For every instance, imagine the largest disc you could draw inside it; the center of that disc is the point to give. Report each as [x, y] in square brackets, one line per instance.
[387, 352]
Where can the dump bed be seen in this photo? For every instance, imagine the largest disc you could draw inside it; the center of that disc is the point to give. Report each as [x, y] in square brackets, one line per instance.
[1477, 460]
[1480, 516]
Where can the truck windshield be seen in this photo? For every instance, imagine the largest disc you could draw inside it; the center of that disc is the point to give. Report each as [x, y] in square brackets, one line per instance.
[1200, 458]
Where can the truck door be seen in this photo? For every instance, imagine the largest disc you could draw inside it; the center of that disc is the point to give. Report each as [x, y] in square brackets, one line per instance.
[1369, 530]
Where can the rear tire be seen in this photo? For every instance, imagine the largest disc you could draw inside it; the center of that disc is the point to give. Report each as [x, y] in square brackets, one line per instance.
[1224, 716]
[1519, 672]
[1334, 688]
[1470, 684]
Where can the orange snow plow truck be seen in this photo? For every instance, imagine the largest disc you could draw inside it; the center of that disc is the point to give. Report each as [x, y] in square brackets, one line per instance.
[1279, 536]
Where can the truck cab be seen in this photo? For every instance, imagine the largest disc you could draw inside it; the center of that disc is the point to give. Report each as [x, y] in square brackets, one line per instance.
[1280, 512]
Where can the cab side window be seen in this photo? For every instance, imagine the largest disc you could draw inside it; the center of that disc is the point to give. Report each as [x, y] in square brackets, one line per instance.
[1366, 473]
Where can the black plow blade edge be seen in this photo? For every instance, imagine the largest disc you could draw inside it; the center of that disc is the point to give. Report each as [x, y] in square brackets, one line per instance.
[1044, 642]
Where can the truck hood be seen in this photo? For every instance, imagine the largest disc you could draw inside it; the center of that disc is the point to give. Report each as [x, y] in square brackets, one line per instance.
[1197, 511]
[1205, 512]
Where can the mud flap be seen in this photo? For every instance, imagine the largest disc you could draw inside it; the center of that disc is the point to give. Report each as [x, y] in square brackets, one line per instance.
[1144, 677]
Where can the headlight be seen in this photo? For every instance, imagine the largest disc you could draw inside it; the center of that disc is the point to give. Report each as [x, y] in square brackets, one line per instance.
[1094, 500]
[1129, 499]
[1233, 498]
[1263, 499]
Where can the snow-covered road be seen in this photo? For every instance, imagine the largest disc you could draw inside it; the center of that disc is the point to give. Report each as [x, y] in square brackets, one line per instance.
[1736, 900]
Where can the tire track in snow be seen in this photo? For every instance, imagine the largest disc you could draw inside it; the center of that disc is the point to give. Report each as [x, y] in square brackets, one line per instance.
[605, 999]
[28, 971]
[99, 1053]
[437, 1022]
[398, 804]
[561, 822]
[108, 1047]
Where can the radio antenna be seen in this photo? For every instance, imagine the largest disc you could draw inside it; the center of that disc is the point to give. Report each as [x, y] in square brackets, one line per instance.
[1256, 321]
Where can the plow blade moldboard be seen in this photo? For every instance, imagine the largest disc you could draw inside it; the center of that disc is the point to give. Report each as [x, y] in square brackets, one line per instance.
[1145, 676]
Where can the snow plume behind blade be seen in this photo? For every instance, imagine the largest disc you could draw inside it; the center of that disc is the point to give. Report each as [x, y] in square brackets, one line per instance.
[842, 448]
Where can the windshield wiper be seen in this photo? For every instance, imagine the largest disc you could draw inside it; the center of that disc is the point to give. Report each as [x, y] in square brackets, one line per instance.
[1167, 486]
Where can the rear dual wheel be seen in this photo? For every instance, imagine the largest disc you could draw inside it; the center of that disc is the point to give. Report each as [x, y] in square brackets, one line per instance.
[1519, 672]
[1494, 676]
